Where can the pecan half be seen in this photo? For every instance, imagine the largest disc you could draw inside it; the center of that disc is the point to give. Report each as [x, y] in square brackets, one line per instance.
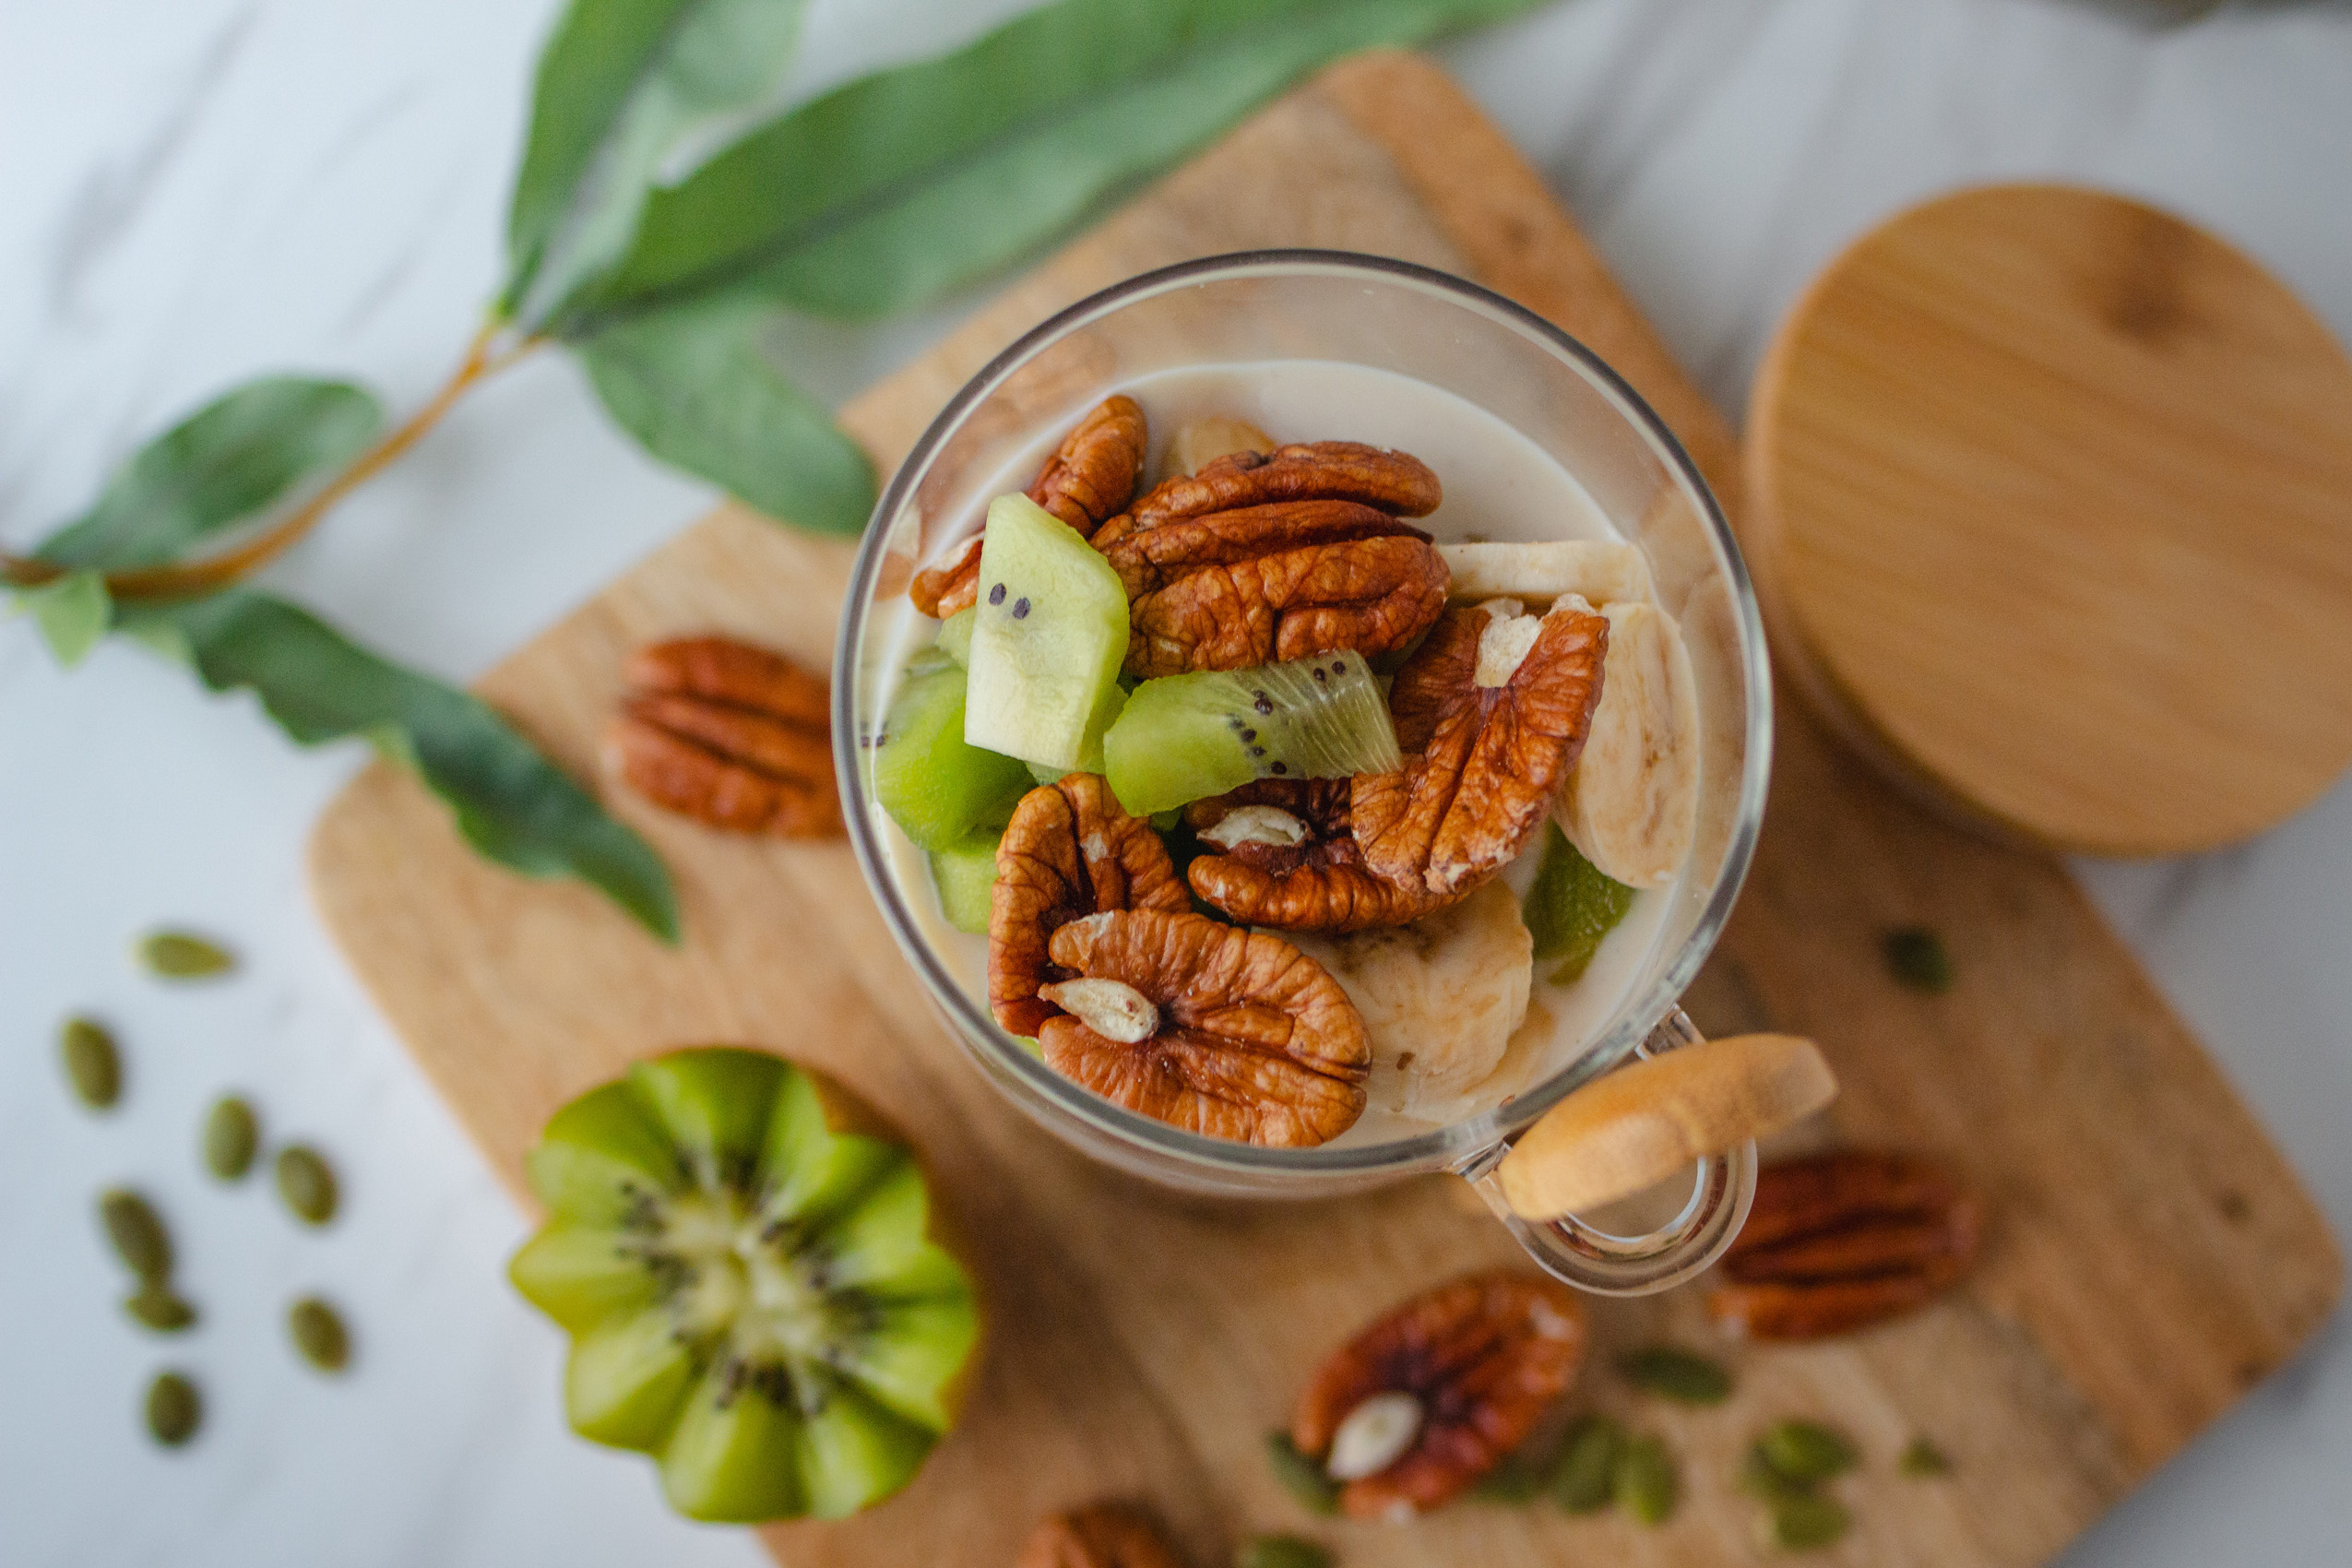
[1069, 851]
[1483, 760]
[1318, 883]
[731, 735]
[1100, 1535]
[1397, 482]
[1285, 580]
[1090, 477]
[1221, 1031]
[1839, 1241]
[1483, 1357]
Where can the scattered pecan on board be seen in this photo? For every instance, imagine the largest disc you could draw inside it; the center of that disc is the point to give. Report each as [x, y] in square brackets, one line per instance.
[1482, 1357]
[1100, 1535]
[1318, 883]
[1839, 1241]
[1087, 481]
[1069, 851]
[1483, 760]
[1221, 1031]
[731, 735]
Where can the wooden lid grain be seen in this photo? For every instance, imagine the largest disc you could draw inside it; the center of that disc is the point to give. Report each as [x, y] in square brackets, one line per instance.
[2050, 509]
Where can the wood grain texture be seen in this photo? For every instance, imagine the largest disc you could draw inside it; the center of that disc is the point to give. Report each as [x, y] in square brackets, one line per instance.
[2052, 505]
[2151, 1255]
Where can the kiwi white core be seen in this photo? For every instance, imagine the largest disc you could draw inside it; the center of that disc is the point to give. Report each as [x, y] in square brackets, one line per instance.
[735, 1280]
[1500, 487]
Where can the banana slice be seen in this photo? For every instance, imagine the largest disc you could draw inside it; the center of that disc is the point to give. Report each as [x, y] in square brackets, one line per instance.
[1631, 804]
[1601, 571]
[1439, 999]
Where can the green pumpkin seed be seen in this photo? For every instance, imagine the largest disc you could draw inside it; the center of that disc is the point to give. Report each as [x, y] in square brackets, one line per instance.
[1923, 1460]
[1805, 1451]
[137, 1233]
[307, 1184]
[1516, 1479]
[92, 1064]
[1281, 1552]
[1645, 1484]
[1807, 1522]
[153, 1305]
[173, 1409]
[1585, 1480]
[1677, 1374]
[1764, 1481]
[181, 955]
[1301, 1477]
[1917, 959]
[230, 1136]
[318, 1333]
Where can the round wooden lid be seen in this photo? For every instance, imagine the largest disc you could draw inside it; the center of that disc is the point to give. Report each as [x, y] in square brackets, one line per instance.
[2050, 507]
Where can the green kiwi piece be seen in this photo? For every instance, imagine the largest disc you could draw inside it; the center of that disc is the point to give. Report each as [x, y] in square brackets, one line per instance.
[748, 1263]
[956, 637]
[935, 787]
[1184, 738]
[1046, 643]
[965, 874]
[1570, 909]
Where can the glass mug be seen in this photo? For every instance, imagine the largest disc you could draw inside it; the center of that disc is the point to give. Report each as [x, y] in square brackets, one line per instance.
[1591, 1128]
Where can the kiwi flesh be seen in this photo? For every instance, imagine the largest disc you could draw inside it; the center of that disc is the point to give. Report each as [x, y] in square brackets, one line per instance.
[749, 1273]
[935, 785]
[1184, 738]
[1570, 909]
[1047, 641]
[965, 874]
[954, 637]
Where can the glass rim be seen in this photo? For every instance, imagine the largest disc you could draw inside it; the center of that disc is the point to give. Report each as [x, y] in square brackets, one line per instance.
[1455, 1142]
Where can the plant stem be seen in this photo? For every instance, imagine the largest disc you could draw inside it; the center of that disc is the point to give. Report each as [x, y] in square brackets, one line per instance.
[482, 361]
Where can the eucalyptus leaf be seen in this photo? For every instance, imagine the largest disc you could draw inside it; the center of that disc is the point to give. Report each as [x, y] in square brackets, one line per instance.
[73, 612]
[702, 387]
[889, 191]
[623, 86]
[230, 460]
[510, 802]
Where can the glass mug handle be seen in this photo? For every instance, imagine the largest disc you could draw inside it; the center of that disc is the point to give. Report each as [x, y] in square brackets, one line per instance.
[1686, 1099]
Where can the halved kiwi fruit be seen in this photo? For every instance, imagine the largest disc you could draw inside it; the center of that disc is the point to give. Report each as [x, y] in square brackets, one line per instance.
[747, 1263]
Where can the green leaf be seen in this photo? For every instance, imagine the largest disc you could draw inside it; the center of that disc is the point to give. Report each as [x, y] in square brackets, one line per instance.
[623, 86]
[510, 802]
[889, 191]
[702, 387]
[230, 458]
[73, 612]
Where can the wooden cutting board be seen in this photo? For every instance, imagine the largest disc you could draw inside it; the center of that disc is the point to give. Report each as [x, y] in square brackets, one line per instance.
[2151, 1256]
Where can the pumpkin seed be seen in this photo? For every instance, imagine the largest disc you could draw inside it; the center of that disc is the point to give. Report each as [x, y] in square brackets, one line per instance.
[1764, 1481]
[1806, 1522]
[181, 955]
[92, 1064]
[1585, 1479]
[1301, 1477]
[1922, 1460]
[153, 1305]
[1805, 1451]
[1645, 1484]
[139, 1235]
[318, 1333]
[1917, 959]
[230, 1136]
[1677, 1374]
[307, 1184]
[1281, 1552]
[173, 1409]
[1516, 1479]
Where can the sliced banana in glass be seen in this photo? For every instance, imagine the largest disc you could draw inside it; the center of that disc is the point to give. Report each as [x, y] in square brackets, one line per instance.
[1631, 804]
[1601, 571]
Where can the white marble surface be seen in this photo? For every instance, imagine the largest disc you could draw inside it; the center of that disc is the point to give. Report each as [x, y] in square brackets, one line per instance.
[197, 190]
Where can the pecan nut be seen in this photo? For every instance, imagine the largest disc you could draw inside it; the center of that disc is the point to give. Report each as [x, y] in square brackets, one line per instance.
[1100, 1535]
[1315, 879]
[1492, 712]
[1089, 479]
[1840, 1241]
[1284, 580]
[1069, 851]
[1396, 482]
[1207, 1027]
[1481, 1357]
[731, 735]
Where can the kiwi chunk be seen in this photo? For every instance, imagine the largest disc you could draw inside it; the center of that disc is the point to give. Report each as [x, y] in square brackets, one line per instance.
[964, 874]
[956, 637]
[1570, 909]
[1047, 638]
[749, 1270]
[1184, 738]
[934, 786]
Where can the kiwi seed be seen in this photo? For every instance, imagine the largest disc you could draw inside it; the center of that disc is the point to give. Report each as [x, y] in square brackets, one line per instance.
[307, 1184]
[230, 1136]
[153, 1305]
[92, 1064]
[318, 1333]
[173, 1409]
[180, 955]
[137, 1233]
